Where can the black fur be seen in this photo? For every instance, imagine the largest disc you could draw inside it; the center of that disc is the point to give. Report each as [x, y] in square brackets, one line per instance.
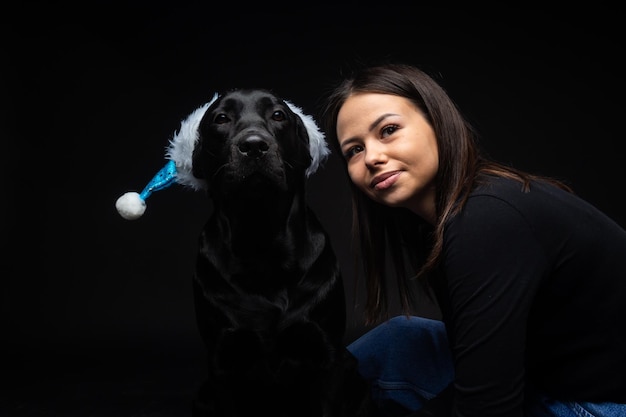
[268, 292]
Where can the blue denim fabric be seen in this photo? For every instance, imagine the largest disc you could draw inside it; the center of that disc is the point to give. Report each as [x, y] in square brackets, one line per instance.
[538, 405]
[407, 361]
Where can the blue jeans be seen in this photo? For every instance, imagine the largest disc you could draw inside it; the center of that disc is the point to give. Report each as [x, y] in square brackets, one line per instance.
[407, 361]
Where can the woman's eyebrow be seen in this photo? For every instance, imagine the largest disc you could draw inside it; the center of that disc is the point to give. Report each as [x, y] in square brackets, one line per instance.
[347, 141]
[380, 119]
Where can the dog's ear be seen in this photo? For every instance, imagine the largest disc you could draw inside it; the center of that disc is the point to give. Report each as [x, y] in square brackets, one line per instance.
[318, 148]
[199, 165]
[182, 146]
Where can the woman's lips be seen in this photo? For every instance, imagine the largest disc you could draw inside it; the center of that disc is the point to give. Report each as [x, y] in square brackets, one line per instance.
[384, 181]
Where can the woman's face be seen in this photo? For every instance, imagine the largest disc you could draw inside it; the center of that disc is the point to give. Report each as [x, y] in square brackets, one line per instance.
[391, 151]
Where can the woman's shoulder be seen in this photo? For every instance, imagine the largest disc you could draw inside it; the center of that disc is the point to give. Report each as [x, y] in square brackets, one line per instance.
[507, 188]
[508, 203]
[541, 204]
[494, 201]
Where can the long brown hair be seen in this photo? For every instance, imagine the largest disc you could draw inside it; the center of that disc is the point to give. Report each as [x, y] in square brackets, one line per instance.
[383, 233]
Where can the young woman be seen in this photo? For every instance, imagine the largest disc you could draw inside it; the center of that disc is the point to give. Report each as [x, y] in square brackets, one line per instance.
[530, 279]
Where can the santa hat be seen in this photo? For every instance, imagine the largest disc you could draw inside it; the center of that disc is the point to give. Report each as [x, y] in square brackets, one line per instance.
[178, 169]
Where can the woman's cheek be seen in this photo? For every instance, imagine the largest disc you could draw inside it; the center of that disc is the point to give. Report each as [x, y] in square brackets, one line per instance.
[350, 168]
[356, 175]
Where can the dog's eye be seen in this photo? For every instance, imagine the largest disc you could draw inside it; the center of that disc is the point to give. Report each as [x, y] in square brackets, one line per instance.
[278, 115]
[221, 119]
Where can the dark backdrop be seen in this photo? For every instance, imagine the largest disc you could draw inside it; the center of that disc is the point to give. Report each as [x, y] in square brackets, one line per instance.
[91, 95]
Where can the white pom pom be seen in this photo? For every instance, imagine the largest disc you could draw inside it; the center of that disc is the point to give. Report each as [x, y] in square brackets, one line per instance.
[130, 206]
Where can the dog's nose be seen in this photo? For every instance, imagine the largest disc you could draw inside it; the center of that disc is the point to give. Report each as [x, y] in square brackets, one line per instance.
[253, 146]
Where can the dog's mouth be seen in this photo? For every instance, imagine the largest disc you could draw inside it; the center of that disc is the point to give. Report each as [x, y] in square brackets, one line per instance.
[261, 177]
[249, 175]
[252, 186]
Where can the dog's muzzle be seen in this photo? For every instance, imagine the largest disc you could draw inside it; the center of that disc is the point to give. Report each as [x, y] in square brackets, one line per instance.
[255, 161]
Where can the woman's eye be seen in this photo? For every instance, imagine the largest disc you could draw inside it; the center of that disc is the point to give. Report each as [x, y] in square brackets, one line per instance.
[221, 118]
[352, 151]
[388, 130]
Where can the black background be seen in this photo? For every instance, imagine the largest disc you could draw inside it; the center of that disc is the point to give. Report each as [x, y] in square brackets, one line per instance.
[96, 311]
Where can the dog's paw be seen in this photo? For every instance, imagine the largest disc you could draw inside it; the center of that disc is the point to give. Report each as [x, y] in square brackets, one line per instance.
[239, 352]
[305, 345]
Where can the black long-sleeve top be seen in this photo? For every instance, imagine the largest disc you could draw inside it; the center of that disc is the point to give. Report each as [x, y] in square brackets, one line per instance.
[533, 291]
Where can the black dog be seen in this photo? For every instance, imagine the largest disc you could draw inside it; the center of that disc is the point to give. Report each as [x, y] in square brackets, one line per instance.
[268, 292]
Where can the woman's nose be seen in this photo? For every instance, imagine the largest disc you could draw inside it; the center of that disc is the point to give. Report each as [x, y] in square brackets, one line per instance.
[375, 154]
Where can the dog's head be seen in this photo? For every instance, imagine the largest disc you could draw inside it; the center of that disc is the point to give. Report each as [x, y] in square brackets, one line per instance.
[247, 139]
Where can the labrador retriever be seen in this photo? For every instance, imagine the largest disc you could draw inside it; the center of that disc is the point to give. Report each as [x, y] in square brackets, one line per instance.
[269, 295]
